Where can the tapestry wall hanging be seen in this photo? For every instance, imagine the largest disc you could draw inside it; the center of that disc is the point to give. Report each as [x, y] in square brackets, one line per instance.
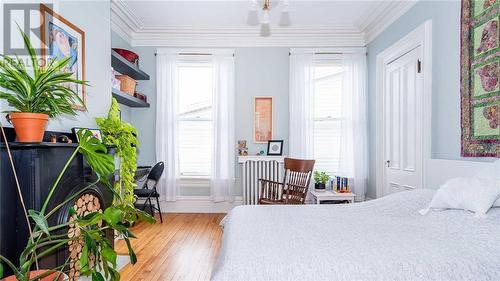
[480, 78]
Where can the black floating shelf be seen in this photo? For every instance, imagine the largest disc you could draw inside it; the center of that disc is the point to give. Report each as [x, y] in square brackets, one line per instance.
[125, 67]
[127, 99]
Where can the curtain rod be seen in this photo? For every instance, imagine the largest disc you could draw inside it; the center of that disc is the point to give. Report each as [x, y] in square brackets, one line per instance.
[195, 54]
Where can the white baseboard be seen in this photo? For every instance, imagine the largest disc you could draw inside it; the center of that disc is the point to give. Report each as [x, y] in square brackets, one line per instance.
[199, 204]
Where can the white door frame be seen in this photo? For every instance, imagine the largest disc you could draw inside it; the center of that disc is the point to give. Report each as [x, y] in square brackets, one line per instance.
[420, 36]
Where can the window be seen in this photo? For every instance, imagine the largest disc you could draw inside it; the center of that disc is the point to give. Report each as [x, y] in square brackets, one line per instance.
[327, 102]
[195, 98]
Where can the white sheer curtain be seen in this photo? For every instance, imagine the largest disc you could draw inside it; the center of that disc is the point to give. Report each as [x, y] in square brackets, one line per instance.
[354, 134]
[223, 159]
[353, 142]
[166, 127]
[301, 105]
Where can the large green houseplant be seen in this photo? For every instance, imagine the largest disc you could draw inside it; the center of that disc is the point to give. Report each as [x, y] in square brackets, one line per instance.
[123, 137]
[36, 94]
[45, 239]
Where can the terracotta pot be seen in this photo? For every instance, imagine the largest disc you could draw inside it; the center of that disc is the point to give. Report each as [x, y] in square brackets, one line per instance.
[29, 127]
[35, 273]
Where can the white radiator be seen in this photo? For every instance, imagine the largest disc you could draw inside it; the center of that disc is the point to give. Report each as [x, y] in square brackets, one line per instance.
[255, 168]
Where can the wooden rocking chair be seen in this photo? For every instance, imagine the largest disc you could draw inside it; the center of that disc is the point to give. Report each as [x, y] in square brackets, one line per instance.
[293, 189]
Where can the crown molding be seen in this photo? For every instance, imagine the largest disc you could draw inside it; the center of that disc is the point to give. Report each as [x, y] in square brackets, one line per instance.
[244, 36]
[132, 29]
[123, 21]
[377, 20]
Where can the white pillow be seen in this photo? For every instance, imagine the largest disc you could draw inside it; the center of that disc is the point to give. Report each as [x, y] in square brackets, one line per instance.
[472, 194]
[492, 172]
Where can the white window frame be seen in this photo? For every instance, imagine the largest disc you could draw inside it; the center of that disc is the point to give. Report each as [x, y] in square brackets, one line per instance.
[201, 61]
[325, 59]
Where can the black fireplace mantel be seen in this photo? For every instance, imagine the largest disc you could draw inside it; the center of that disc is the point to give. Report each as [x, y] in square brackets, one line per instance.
[37, 166]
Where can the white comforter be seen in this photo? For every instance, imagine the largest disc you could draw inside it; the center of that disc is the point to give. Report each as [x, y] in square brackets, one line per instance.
[384, 239]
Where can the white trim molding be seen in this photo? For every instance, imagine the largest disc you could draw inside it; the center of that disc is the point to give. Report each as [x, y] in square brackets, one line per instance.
[376, 21]
[130, 27]
[199, 204]
[243, 36]
[419, 37]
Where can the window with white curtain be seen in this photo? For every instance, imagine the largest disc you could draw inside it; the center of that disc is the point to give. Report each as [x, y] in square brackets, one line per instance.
[327, 114]
[194, 118]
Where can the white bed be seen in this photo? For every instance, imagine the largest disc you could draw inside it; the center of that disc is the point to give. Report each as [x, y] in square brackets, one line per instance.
[384, 239]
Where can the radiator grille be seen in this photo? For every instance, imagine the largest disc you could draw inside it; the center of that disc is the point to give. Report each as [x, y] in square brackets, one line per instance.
[255, 170]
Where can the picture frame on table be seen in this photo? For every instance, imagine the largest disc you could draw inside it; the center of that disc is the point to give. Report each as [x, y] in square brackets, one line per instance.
[95, 132]
[275, 147]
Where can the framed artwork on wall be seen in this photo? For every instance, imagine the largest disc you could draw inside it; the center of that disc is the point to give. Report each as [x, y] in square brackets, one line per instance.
[262, 119]
[275, 147]
[60, 40]
[480, 72]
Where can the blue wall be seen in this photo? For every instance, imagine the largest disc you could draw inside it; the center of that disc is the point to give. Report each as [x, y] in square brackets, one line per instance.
[446, 130]
[259, 72]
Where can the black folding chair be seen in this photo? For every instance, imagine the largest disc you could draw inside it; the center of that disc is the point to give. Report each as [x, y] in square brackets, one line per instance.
[149, 190]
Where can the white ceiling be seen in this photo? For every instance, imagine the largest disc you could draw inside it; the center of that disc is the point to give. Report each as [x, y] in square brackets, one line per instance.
[235, 13]
[224, 23]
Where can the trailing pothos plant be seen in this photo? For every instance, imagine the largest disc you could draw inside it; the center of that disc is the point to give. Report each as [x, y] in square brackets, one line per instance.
[122, 136]
[45, 239]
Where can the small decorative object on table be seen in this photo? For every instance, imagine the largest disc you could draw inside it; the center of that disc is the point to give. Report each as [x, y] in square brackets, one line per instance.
[275, 147]
[320, 180]
[53, 138]
[242, 148]
[64, 139]
[342, 185]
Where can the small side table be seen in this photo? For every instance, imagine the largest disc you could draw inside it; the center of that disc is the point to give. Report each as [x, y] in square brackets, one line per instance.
[330, 195]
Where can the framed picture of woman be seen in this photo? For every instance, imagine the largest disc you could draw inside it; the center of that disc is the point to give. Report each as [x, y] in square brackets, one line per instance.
[62, 39]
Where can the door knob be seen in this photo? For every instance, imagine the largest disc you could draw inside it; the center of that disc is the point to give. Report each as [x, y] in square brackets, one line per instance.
[388, 162]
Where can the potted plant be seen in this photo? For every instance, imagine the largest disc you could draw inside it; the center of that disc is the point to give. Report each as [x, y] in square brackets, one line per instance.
[123, 137]
[98, 258]
[36, 95]
[320, 180]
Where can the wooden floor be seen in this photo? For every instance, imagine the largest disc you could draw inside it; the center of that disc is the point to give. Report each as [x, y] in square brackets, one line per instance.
[184, 247]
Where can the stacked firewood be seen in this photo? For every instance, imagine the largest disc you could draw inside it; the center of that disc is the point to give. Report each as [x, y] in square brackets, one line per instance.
[87, 203]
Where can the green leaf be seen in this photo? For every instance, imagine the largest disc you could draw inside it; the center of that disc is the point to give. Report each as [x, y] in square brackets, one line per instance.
[109, 255]
[96, 154]
[39, 220]
[131, 253]
[113, 215]
[1, 270]
[96, 276]
[84, 259]
[143, 216]
[115, 276]
[72, 211]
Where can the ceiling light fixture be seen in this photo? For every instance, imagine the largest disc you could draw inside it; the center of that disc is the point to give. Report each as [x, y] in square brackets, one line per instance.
[265, 18]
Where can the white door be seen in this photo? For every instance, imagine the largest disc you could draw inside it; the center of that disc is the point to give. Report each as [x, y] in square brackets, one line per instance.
[403, 123]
